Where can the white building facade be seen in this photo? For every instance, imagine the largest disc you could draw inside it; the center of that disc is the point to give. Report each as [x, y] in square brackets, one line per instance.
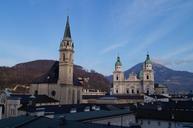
[133, 84]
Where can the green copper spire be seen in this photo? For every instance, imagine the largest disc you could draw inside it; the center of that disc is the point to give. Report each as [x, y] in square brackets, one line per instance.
[118, 62]
[67, 33]
[148, 61]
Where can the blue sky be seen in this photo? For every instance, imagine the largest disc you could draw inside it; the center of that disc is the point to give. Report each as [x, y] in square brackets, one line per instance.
[101, 29]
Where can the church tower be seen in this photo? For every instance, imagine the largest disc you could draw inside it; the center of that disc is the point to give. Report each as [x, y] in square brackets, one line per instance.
[148, 76]
[66, 57]
[118, 77]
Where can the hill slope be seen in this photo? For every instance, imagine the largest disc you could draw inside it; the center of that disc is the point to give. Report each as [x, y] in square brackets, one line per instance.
[25, 73]
[175, 80]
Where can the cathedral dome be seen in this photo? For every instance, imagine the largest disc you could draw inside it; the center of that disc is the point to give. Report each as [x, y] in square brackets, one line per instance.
[118, 62]
[147, 61]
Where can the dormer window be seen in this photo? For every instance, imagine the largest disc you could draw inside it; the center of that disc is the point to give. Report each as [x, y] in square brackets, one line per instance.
[73, 110]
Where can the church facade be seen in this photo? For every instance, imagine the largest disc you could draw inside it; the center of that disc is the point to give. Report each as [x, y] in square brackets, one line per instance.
[143, 83]
[59, 82]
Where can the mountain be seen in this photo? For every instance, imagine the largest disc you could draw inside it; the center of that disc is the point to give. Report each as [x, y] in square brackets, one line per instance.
[25, 73]
[174, 80]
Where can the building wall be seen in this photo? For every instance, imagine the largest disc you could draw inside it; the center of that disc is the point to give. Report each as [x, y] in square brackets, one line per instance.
[115, 101]
[69, 94]
[1, 112]
[11, 107]
[66, 94]
[127, 87]
[161, 90]
[93, 92]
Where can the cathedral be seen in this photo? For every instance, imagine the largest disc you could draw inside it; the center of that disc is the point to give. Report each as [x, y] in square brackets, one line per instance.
[59, 82]
[134, 84]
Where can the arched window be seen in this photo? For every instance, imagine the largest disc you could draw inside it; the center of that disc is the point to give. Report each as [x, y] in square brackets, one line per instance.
[53, 93]
[67, 43]
[132, 91]
[117, 77]
[70, 56]
[147, 91]
[147, 77]
[36, 92]
[64, 57]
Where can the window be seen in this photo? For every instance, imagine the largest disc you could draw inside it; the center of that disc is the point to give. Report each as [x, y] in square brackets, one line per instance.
[147, 77]
[148, 122]
[73, 97]
[53, 93]
[169, 125]
[159, 123]
[147, 91]
[141, 122]
[70, 56]
[64, 57]
[137, 91]
[132, 91]
[117, 91]
[127, 91]
[117, 77]
[36, 92]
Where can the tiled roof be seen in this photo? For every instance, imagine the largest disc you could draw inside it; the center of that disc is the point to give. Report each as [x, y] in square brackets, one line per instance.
[52, 76]
[44, 122]
[112, 97]
[24, 99]
[157, 96]
[181, 111]
[82, 116]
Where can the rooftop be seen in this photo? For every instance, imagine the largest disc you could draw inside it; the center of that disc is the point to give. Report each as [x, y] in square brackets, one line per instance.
[51, 76]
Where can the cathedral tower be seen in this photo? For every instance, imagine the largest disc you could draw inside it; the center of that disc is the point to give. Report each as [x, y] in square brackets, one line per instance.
[148, 76]
[118, 77]
[66, 58]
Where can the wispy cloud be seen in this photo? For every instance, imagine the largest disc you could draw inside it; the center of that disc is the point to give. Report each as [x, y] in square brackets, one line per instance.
[163, 29]
[181, 50]
[15, 53]
[177, 56]
[135, 18]
[113, 47]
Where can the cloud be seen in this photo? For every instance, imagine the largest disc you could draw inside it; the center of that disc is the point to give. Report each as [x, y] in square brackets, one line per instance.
[179, 56]
[113, 47]
[181, 50]
[183, 61]
[16, 53]
[137, 16]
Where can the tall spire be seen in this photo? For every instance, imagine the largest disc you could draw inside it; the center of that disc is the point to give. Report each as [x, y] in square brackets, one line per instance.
[67, 33]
